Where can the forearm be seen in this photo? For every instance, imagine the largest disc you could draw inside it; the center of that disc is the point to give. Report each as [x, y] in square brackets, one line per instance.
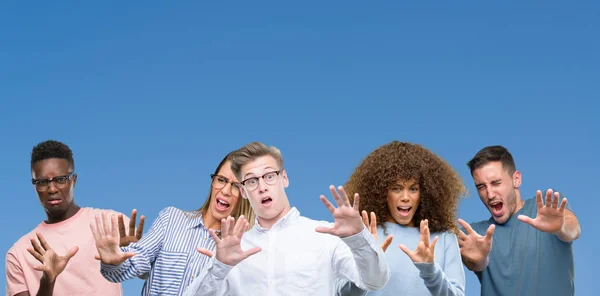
[437, 282]
[373, 271]
[571, 229]
[212, 281]
[46, 287]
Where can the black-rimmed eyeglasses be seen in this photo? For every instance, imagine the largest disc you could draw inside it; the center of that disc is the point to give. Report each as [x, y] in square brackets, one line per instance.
[59, 181]
[270, 178]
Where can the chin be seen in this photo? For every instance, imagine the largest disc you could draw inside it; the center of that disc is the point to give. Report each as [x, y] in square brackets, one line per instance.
[268, 215]
[403, 222]
[500, 220]
[54, 211]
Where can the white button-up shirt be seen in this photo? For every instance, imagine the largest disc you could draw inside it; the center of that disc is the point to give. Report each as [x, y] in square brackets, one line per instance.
[296, 260]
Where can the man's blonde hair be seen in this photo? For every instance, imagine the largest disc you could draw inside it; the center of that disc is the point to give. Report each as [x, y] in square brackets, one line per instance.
[251, 152]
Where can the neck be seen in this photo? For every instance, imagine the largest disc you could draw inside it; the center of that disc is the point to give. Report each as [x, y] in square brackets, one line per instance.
[268, 223]
[210, 222]
[390, 219]
[70, 212]
[519, 202]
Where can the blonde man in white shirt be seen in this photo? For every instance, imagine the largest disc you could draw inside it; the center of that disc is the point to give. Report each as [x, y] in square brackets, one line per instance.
[285, 253]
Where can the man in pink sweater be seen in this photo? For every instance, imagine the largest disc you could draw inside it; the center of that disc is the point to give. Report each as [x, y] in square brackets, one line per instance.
[58, 256]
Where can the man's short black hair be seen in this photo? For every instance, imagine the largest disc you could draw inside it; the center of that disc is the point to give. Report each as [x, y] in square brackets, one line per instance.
[490, 154]
[52, 149]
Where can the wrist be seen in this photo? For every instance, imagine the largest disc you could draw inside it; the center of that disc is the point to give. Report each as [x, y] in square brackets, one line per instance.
[481, 264]
[358, 228]
[560, 231]
[47, 279]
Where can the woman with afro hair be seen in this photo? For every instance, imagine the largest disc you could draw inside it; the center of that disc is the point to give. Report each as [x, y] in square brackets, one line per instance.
[411, 195]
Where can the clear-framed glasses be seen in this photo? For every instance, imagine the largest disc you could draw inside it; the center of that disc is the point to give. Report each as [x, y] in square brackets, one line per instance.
[219, 182]
[59, 181]
[270, 178]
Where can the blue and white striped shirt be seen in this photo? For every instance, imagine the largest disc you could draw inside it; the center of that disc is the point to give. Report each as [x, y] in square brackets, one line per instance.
[167, 252]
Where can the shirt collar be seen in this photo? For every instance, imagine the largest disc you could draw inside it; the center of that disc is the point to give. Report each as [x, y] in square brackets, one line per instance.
[196, 220]
[282, 223]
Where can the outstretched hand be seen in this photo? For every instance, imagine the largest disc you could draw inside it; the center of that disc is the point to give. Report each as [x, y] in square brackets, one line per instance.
[550, 217]
[228, 248]
[347, 220]
[474, 247]
[107, 239]
[134, 234]
[373, 229]
[425, 251]
[52, 263]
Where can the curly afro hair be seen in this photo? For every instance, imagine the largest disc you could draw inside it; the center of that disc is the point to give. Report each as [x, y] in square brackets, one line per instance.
[52, 149]
[441, 186]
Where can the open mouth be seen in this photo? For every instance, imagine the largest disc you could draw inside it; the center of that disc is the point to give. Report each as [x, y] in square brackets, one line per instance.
[497, 208]
[266, 201]
[404, 211]
[222, 205]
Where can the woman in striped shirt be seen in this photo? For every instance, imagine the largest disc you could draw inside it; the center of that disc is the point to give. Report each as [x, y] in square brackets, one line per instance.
[167, 255]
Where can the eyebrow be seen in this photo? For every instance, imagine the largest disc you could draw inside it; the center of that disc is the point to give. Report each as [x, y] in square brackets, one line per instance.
[57, 176]
[251, 173]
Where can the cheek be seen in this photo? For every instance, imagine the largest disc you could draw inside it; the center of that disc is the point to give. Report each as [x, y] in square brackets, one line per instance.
[391, 197]
[416, 201]
[482, 193]
[41, 196]
[253, 200]
[68, 193]
[235, 200]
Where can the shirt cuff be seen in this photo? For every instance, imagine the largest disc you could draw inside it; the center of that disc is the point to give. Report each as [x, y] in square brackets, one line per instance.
[427, 269]
[110, 268]
[358, 240]
[220, 269]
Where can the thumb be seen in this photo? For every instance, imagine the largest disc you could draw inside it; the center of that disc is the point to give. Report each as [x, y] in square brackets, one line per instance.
[127, 255]
[97, 257]
[490, 232]
[72, 252]
[323, 229]
[205, 252]
[39, 268]
[433, 243]
[405, 250]
[525, 219]
[251, 252]
[387, 242]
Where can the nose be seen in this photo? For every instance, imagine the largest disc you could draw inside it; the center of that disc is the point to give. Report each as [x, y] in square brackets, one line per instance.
[262, 186]
[404, 196]
[52, 188]
[490, 193]
[226, 190]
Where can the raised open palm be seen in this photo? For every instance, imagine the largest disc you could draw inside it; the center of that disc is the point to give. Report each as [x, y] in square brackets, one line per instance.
[228, 247]
[347, 220]
[52, 263]
[474, 247]
[550, 217]
[425, 249]
[107, 239]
